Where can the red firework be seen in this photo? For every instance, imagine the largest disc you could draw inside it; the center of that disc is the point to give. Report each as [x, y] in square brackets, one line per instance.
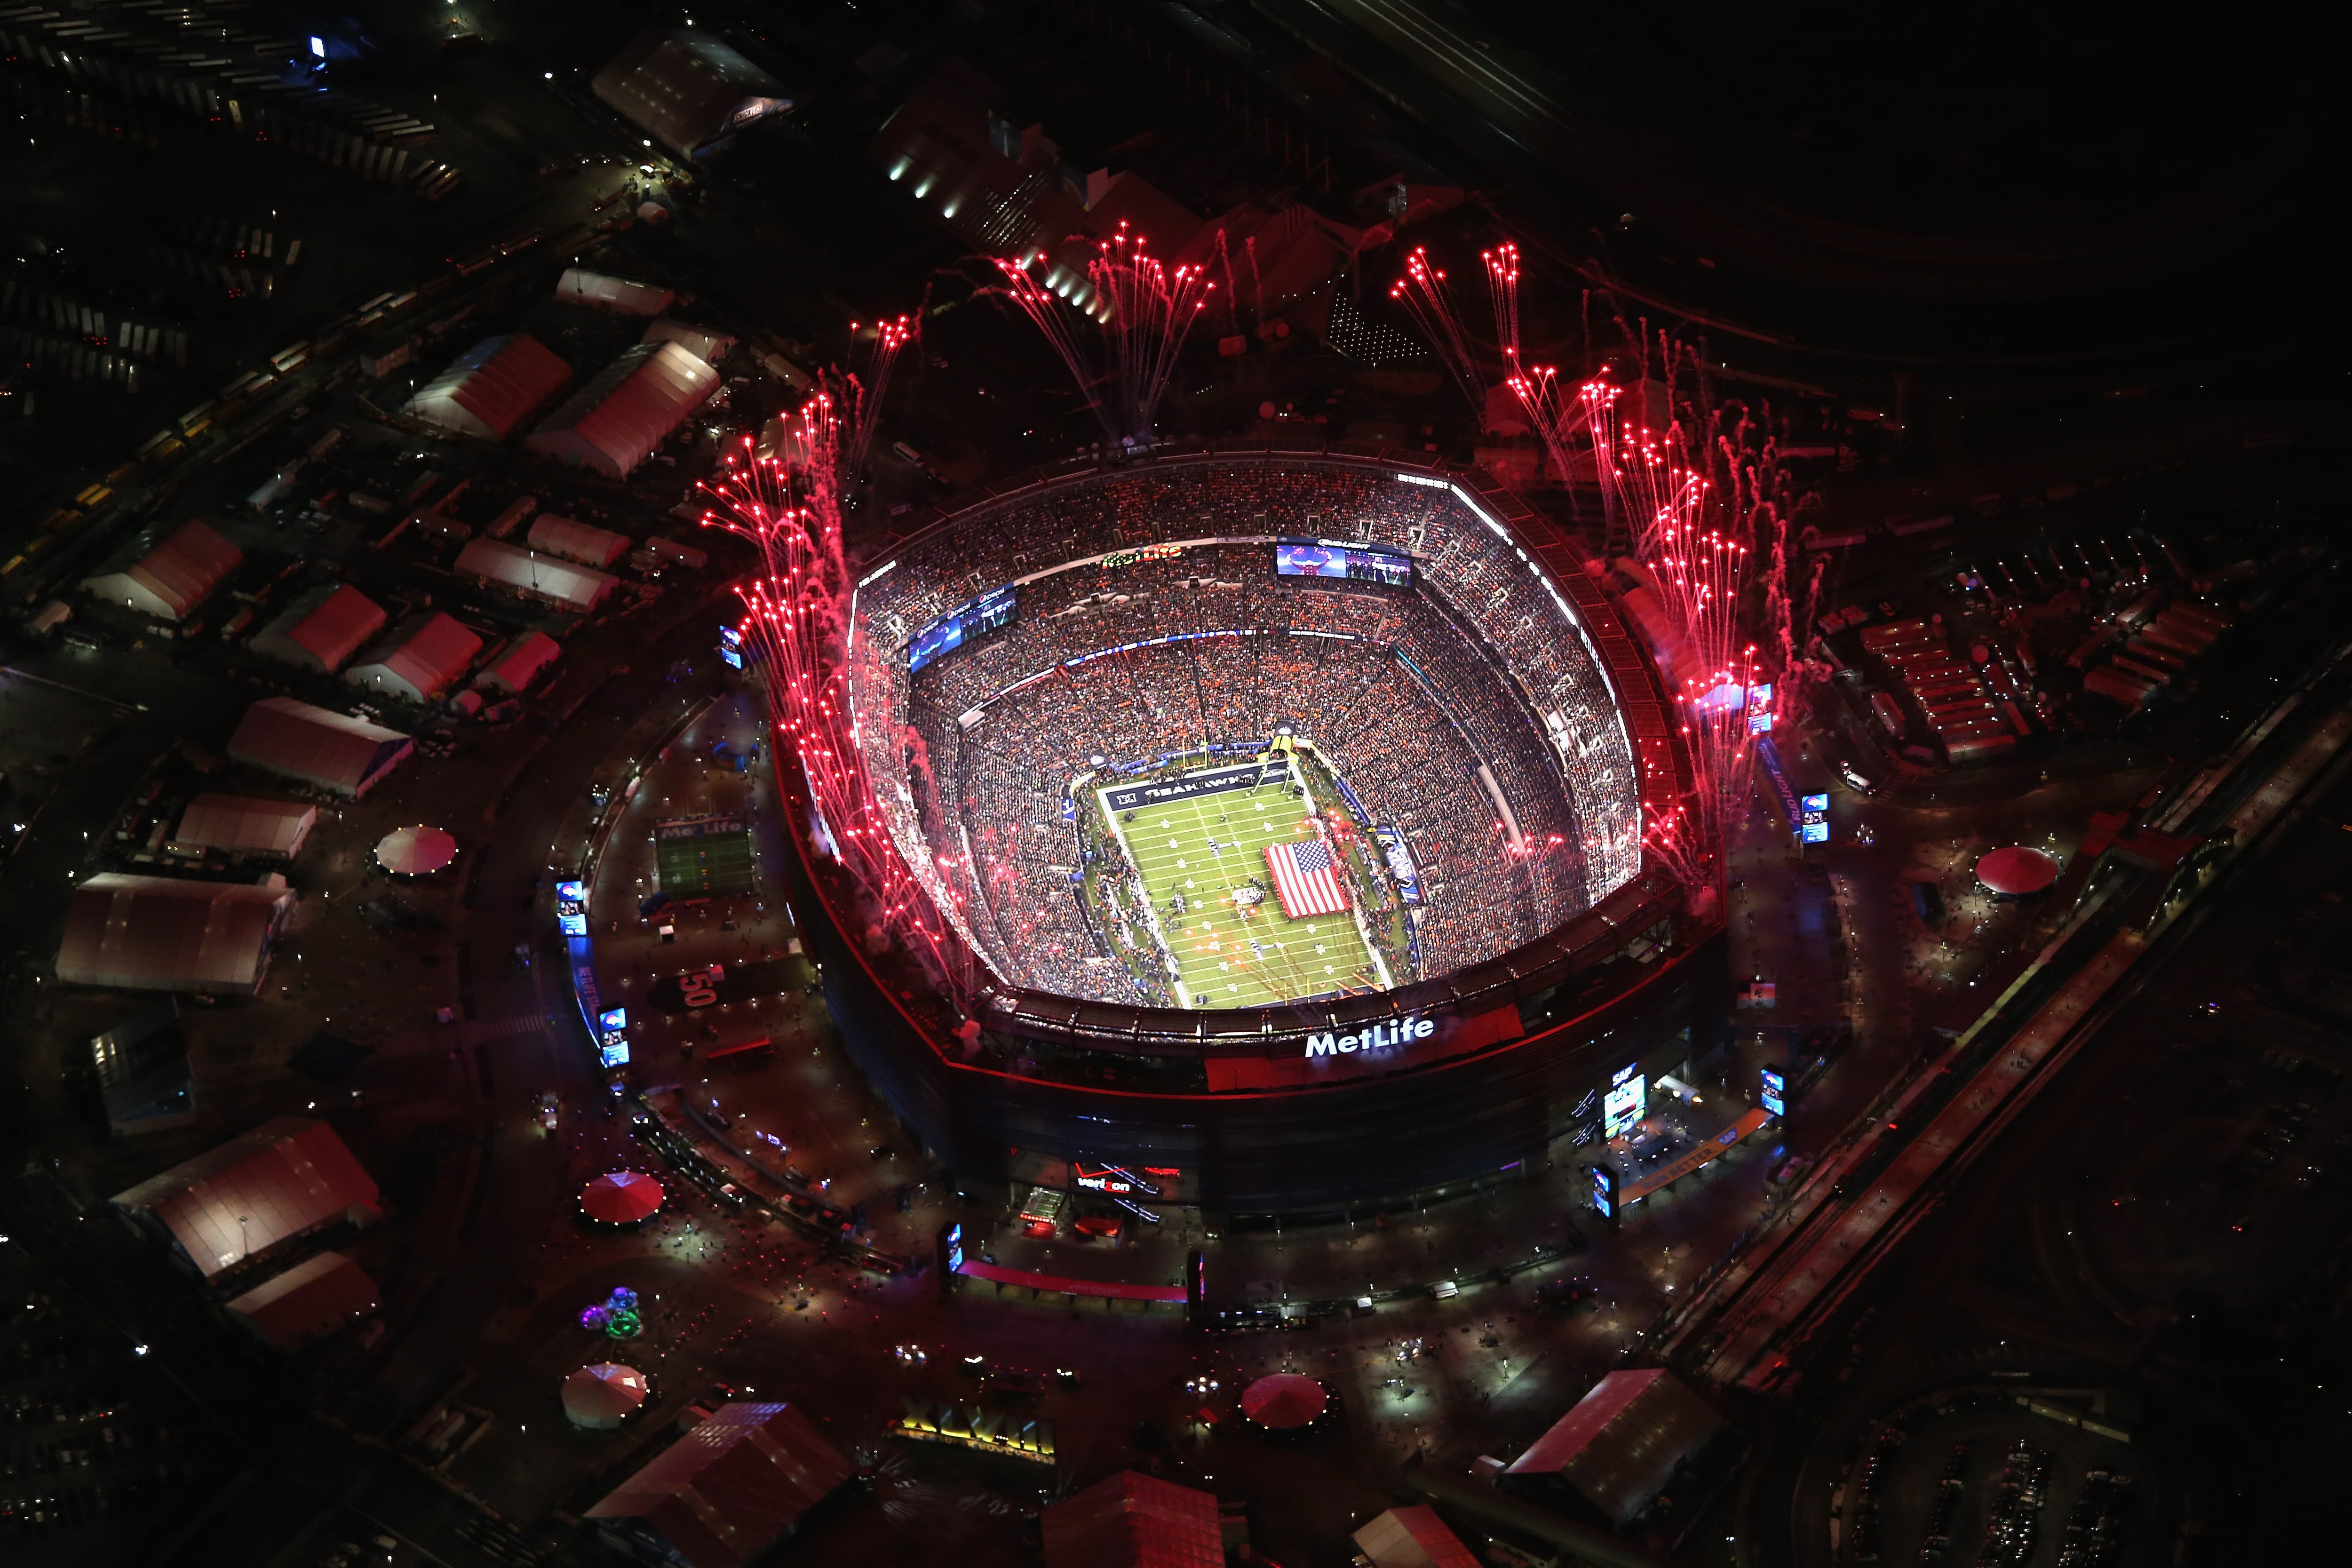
[1696, 501]
[796, 617]
[1143, 311]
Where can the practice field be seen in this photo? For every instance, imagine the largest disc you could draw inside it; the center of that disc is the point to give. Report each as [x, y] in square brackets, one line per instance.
[704, 858]
[1233, 955]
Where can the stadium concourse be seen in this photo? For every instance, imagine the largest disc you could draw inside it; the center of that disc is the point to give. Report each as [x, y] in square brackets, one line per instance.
[1146, 632]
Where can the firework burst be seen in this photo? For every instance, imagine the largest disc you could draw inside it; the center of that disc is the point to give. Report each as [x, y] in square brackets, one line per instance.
[797, 623]
[1143, 311]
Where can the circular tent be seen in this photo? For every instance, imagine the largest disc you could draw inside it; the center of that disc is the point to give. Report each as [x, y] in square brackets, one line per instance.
[2016, 871]
[416, 851]
[1283, 1401]
[620, 1197]
[602, 1396]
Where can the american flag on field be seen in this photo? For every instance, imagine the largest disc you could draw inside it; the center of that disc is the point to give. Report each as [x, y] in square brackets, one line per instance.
[1305, 880]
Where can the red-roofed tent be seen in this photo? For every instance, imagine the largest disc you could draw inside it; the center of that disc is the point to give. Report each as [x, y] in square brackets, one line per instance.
[174, 577]
[287, 1177]
[2016, 871]
[491, 388]
[1621, 1444]
[1412, 1538]
[421, 661]
[333, 750]
[309, 1301]
[1284, 1400]
[727, 1490]
[1135, 1520]
[620, 1197]
[321, 630]
[616, 421]
[168, 934]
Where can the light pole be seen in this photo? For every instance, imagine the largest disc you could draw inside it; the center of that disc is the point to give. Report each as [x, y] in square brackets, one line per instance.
[244, 1246]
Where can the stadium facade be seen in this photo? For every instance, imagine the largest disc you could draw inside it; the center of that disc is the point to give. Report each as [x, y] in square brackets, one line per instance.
[1587, 965]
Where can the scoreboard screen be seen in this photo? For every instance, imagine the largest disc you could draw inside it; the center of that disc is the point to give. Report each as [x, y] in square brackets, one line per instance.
[1337, 558]
[971, 619]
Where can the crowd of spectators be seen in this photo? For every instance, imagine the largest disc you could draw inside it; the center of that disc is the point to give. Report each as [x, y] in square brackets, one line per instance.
[1407, 693]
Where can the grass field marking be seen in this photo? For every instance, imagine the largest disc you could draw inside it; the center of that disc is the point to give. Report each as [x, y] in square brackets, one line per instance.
[1168, 847]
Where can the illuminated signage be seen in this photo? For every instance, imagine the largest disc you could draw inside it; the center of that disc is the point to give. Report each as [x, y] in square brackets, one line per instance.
[730, 646]
[972, 618]
[1379, 1038]
[1775, 1092]
[1769, 755]
[955, 1248]
[1605, 1192]
[1342, 558]
[612, 1037]
[1813, 819]
[990, 1431]
[1114, 1180]
[571, 907]
[1624, 1105]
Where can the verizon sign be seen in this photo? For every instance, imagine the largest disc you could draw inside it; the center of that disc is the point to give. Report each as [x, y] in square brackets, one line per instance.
[1380, 1037]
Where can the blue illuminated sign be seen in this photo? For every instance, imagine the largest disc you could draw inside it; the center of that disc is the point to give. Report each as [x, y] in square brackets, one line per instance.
[955, 1248]
[972, 618]
[612, 1040]
[730, 646]
[1813, 819]
[1605, 1192]
[571, 907]
[1775, 1092]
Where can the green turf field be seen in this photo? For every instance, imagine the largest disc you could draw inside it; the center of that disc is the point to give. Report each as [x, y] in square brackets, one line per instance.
[1168, 847]
[704, 857]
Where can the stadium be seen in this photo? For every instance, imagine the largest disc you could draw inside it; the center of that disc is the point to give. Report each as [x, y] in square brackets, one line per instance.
[1285, 810]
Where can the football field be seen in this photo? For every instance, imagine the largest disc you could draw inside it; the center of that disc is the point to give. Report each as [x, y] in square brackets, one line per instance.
[1230, 954]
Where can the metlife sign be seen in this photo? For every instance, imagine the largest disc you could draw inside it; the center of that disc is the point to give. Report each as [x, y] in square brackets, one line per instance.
[1374, 1041]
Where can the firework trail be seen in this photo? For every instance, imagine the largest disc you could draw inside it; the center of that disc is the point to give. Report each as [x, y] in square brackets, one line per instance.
[1423, 292]
[1143, 311]
[796, 619]
[1560, 418]
[858, 400]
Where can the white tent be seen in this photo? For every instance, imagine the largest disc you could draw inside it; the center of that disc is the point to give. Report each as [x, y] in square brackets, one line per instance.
[602, 1396]
[534, 575]
[579, 286]
[598, 547]
[241, 824]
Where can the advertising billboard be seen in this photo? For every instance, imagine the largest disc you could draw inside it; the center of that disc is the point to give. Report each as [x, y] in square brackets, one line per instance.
[1774, 1095]
[972, 618]
[1337, 558]
[1627, 1098]
[1399, 856]
[1813, 819]
[1605, 1192]
[612, 1037]
[571, 907]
